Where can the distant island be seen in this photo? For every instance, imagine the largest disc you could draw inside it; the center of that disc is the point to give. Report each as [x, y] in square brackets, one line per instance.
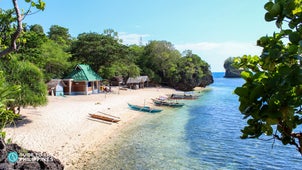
[230, 70]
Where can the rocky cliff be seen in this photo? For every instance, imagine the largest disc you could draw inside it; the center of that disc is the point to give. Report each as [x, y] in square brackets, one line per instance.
[232, 73]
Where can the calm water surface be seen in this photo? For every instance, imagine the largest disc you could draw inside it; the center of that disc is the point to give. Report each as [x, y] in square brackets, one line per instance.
[205, 134]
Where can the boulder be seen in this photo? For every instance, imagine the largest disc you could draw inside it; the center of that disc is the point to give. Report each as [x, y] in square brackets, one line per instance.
[26, 159]
[232, 73]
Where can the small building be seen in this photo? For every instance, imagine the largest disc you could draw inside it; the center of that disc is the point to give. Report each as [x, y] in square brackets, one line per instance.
[82, 80]
[116, 81]
[137, 82]
[55, 87]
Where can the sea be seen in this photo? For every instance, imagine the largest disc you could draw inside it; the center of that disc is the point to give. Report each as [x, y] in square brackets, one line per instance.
[202, 135]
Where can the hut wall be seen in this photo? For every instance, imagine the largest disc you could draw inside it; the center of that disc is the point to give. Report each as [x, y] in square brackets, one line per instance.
[59, 91]
[79, 88]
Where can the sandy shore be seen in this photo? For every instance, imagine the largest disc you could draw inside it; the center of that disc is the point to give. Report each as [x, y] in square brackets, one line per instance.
[64, 129]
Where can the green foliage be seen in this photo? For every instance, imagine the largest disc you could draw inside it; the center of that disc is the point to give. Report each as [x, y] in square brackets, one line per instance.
[56, 64]
[7, 95]
[37, 4]
[161, 62]
[31, 49]
[29, 78]
[37, 28]
[6, 27]
[95, 49]
[194, 69]
[60, 35]
[271, 96]
[11, 26]
[159, 56]
[105, 54]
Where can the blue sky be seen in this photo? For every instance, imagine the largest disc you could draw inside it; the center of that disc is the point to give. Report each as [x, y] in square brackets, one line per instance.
[213, 29]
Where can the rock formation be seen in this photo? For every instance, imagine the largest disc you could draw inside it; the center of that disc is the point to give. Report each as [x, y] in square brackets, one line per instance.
[13, 156]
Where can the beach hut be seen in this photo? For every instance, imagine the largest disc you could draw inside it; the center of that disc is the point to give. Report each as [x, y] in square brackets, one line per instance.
[56, 87]
[116, 81]
[137, 82]
[82, 80]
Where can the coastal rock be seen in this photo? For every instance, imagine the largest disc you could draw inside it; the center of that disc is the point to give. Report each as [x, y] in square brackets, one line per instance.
[190, 84]
[26, 159]
[230, 70]
[232, 73]
[207, 80]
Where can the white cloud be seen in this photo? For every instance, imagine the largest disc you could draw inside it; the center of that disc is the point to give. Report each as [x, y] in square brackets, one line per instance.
[129, 39]
[216, 53]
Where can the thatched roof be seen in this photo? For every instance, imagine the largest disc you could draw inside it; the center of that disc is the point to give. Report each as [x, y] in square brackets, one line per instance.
[140, 79]
[54, 82]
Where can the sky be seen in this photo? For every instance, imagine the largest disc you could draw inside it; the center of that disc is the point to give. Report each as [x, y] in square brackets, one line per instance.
[212, 29]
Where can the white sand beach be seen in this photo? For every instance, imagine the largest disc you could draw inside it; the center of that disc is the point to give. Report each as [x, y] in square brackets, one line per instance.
[64, 129]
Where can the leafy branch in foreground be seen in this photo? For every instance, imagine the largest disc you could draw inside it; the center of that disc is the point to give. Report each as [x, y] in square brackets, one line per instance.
[271, 97]
[15, 25]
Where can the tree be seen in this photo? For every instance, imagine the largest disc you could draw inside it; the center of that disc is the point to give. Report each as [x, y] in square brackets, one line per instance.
[271, 96]
[158, 58]
[60, 35]
[57, 64]
[29, 77]
[11, 18]
[7, 95]
[192, 73]
[38, 29]
[105, 54]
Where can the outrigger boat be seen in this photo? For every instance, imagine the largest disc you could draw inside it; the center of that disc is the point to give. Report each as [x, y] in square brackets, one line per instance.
[184, 96]
[160, 102]
[105, 117]
[144, 108]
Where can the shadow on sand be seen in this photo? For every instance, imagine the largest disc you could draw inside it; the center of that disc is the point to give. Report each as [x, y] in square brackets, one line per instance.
[23, 120]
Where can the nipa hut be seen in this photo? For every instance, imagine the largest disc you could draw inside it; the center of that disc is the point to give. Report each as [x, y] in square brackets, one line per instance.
[56, 87]
[82, 80]
[116, 81]
[137, 82]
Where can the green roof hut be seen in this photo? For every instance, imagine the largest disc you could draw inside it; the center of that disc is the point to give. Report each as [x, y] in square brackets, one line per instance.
[82, 80]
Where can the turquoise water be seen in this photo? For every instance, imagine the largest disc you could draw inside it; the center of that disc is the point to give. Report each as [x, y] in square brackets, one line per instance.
[205, 134]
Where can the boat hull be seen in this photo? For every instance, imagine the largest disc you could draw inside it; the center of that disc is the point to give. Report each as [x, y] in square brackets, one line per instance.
[105, 118]
[166, 103]
[144, 108]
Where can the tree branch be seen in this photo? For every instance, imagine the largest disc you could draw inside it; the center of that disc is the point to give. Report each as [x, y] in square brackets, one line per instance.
[16, 34]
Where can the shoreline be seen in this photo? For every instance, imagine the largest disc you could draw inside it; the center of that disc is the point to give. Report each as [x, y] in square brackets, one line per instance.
[63, 128]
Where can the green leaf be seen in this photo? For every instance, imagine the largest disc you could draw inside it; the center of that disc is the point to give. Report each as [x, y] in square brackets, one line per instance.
[241, 91]
[275, 10]
[268, 6]
[269, 17]
[256, 93]
[246, 75]
[272, 121]
[294, 37]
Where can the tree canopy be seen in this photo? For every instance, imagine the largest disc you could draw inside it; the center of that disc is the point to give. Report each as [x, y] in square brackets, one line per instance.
[271, 96]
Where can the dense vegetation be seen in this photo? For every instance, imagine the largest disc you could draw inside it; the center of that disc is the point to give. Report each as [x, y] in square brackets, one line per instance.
[271, 96]
[30, 57]
[230, 70]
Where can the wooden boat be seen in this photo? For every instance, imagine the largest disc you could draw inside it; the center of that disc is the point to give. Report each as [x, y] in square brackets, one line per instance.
[144, 108]
[184, 96]
[160, 102]
[105, 117]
